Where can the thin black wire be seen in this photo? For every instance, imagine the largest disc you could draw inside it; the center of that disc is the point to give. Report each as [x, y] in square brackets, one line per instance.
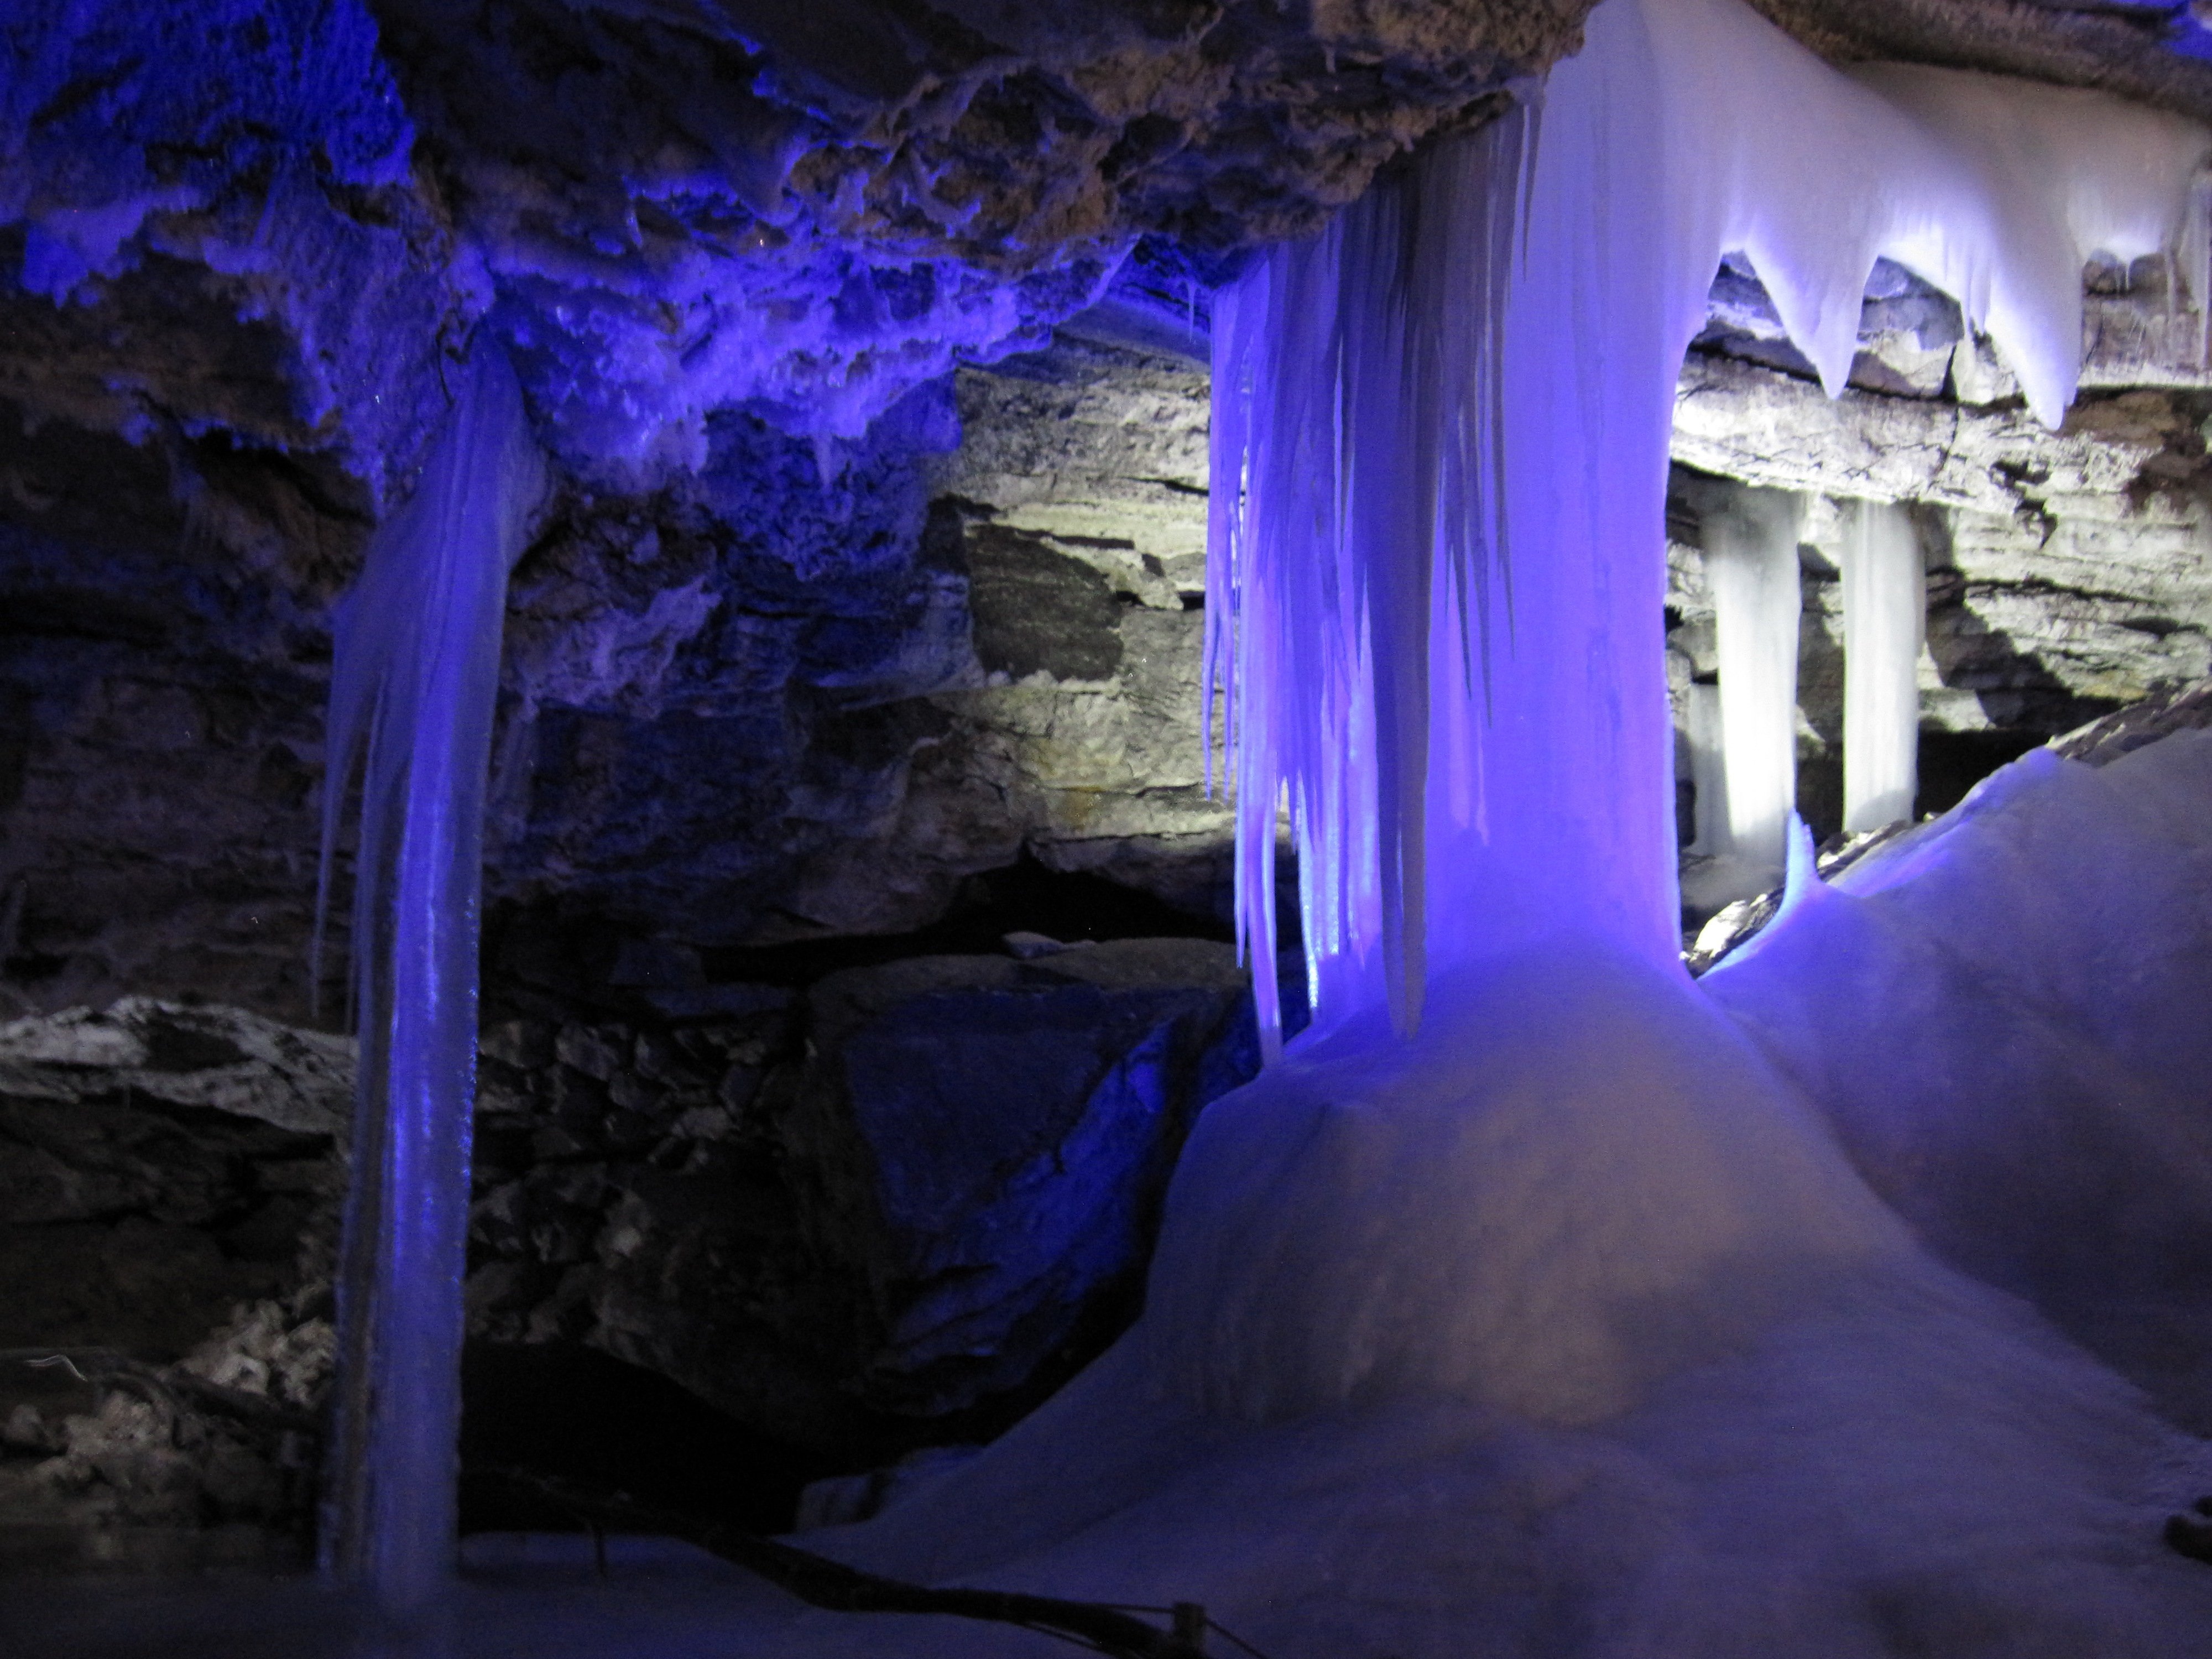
[1211, 1623]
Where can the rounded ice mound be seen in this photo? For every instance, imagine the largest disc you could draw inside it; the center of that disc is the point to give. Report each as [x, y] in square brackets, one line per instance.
[1563, 1332]
[1576, 1179]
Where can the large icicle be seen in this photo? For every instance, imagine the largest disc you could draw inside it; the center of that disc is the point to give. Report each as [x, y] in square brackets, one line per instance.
[1885, 616]
[1751, 565]
[1440, 448]
[1353, 404]
[412, 694]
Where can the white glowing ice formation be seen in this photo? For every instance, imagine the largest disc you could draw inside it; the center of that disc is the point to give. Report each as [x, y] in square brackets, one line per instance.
[1440, 450]
[1751, 565]
[412, 694]
[1885, 617]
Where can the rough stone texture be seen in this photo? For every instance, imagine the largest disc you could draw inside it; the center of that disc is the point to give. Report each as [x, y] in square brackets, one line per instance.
[159, 1163]
[894, 1207]
[758, 706]
[161, 745]
[271, 219]
[168, 1186]
[745, 707]
[816, 206]
[911, 1194]
[751, 707]
[2183, 708]
[2120, 47]
[2066, 570]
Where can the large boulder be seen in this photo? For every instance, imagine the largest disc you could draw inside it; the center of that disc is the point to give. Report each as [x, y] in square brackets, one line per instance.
[890, 1209]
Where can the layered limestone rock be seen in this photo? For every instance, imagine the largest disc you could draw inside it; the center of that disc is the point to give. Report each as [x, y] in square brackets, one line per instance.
[2066, 570]
[805, 691]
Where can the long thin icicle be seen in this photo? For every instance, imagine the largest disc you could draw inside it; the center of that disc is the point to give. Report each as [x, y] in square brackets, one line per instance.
[412, 694]
[1477, 361]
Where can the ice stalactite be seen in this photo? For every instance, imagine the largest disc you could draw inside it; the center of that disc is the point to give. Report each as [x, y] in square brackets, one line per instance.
[1751, 566]
[412, 694]
[1440, 450]
[1464, 767]
[1885, 618]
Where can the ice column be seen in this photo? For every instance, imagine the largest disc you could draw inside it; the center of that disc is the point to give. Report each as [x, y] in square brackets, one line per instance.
[412, 693]
[1707, 774]
[1751, 566]
[1885, 616]
[1438, 539]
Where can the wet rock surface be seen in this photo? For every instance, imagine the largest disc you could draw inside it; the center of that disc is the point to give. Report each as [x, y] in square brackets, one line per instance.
[823, 1224]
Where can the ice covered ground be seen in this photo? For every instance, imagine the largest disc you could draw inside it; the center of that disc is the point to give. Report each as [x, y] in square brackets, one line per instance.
[1571, 1328]
[1598, 1319]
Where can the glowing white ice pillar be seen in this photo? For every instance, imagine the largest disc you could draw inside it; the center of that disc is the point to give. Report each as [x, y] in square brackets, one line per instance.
[1885, 616]
[413, 688]
[1708, 775]
[1751, 566]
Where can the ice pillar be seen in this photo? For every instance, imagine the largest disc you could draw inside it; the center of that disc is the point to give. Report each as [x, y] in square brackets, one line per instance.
[1885, 616]
[1707, 775]
[412, 693]
[1751, 566]
[1440, 460]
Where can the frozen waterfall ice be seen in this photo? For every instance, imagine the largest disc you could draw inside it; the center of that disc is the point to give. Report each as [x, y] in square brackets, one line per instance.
[1440, 450]
[412, 692]
[1885, 616]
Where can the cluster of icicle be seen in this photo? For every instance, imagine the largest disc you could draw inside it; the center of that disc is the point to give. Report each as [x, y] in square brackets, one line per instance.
[1440, 444]
[413, 691]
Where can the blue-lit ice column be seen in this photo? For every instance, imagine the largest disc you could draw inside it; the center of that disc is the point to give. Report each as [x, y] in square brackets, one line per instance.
[1885, 617]
[1440, 434]
[412, 693]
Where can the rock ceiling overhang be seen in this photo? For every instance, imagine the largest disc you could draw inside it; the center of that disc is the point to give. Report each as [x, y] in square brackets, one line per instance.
[268, 221]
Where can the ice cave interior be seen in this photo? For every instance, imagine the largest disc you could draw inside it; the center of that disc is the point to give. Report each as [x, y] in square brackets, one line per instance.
[1183, 826]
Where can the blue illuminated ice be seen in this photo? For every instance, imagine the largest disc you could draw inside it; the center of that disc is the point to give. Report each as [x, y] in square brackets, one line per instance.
[1440, 448]
[412, 692]
[1600, 1317]
[1540, 1301]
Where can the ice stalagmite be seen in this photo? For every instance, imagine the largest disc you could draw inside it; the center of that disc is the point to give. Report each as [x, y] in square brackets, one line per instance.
[1751, 565]
[412, 692]
[1885, 616]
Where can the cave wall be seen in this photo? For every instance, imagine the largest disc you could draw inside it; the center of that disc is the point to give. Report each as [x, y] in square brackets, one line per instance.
[852, 674]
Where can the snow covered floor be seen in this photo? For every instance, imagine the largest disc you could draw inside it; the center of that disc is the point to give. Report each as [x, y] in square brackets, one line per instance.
[1596, 1322]
[1571, 1330]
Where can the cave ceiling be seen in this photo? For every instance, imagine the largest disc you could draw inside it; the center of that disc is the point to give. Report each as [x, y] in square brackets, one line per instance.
[270, 220]
[868, 336]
